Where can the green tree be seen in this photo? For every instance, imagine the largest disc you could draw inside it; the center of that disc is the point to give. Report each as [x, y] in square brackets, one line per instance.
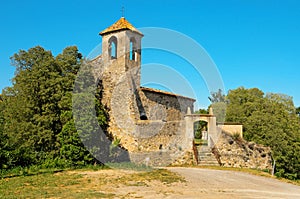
[31, 115]
[38, 108]
[89, 114]
[242, 103]
[218, 96]
[201, 111]
[3, 139]
[76, 138]
[270, 120]
[218, 105]
[200, 125]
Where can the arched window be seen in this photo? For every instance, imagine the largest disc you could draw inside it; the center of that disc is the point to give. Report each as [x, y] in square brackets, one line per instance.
[112, 47]
[132, 49]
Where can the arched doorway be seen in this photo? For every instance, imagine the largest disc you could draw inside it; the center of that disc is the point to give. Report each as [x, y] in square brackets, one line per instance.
[200, 132]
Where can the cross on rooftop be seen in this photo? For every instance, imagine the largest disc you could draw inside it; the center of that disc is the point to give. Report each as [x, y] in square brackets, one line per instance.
[123, 11]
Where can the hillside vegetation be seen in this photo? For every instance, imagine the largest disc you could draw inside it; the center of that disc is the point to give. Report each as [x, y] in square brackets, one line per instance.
[36, 118]
[269, 119]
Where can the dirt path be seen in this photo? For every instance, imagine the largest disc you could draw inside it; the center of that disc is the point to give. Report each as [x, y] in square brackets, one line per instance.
[200, 183]
[207, 183]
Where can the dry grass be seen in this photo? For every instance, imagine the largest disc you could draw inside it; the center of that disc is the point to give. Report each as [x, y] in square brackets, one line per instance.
[82, 183]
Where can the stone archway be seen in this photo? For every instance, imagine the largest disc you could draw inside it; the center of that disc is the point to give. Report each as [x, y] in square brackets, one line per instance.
[190, 119]
[200, 132]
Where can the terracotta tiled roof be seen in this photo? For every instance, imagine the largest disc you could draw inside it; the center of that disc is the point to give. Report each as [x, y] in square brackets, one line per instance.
[121, 24]
[165, 93]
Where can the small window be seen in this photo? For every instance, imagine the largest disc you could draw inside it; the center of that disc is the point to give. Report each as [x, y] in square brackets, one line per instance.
[160, 147]
[143, 116]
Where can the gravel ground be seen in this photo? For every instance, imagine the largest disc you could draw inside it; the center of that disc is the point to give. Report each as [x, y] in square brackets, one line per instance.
[200, 183]
[207, 183]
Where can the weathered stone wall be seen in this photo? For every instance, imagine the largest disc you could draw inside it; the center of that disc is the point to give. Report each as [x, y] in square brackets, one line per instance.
[239, 153]
[160, 105]
[161, 139]
[162, 158]
[161, 136]
[160, 143]
[188, 158]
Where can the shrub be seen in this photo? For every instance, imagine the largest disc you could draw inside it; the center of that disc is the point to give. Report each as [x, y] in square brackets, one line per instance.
[198, 134]
[236, 136]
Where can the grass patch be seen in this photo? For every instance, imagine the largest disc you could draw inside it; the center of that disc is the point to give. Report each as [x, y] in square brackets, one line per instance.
[142, 178]
[34, 170]
[200, 141]
[47, 186]
[81, 183]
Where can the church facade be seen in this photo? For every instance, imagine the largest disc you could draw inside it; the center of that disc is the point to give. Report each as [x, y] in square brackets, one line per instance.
[154, 126]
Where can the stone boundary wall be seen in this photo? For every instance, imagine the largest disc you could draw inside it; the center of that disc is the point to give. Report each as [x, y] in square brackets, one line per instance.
[162, 158]
[231, 128]
[242, 154]
[160, 136]
[161, 143]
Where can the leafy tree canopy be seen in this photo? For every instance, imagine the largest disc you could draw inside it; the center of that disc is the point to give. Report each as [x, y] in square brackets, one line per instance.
[218, 96]
[201, 111]
[269, 119]
[218, 104]
[36, 118]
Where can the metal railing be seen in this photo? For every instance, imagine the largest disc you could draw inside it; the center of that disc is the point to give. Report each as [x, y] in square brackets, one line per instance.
[195, 152]
[216, 151]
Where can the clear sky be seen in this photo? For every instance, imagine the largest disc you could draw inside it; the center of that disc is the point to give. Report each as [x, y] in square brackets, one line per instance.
[254, 43]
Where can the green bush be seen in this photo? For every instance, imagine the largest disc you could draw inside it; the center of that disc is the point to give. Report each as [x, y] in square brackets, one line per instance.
[236, 136]
[198, 134]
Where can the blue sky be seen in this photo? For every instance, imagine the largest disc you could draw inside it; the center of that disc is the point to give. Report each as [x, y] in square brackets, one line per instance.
[254, 43]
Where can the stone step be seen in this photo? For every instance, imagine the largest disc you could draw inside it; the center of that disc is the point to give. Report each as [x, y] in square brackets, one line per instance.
[208, 164]
[205, 154]
[206, 159]
[201, 150]
[203, 147]
[204, 150]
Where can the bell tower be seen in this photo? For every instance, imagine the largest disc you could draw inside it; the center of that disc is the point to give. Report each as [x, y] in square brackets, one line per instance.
[120, 72]
[121, 48]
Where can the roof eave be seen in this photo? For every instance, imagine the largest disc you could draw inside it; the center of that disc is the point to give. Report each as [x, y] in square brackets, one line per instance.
[166, 93]
[112, 31]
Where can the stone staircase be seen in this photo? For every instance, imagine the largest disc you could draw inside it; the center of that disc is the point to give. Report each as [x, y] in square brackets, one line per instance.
[206, 157]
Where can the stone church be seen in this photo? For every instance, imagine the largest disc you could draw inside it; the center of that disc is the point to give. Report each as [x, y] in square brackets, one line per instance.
[154, 126]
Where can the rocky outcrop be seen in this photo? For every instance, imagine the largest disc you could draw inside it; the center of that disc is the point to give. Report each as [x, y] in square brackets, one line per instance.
[236, 152]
